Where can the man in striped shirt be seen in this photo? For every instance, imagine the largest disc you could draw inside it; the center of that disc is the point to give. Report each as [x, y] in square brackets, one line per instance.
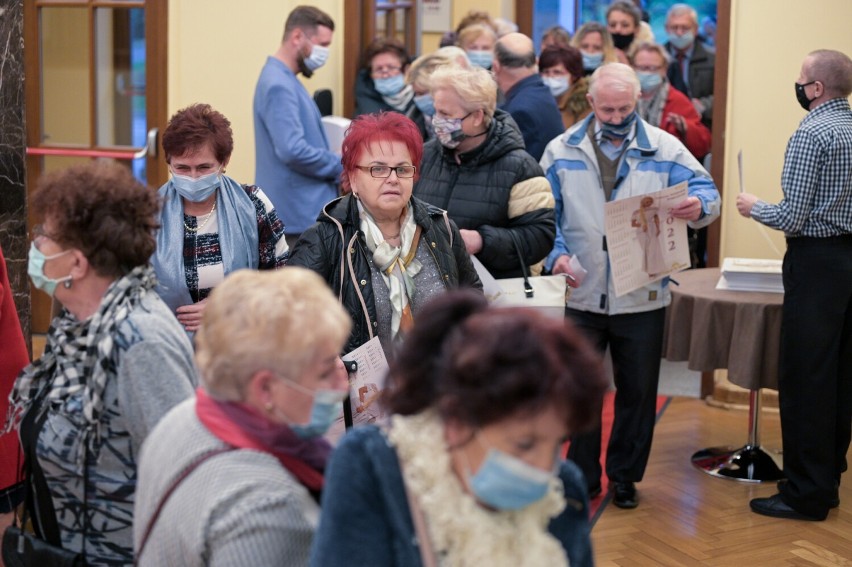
[815, 381]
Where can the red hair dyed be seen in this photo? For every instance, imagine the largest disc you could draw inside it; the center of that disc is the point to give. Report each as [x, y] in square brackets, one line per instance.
[381, 127]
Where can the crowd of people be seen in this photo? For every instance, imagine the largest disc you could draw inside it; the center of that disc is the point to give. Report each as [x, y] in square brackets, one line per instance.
[180, 410]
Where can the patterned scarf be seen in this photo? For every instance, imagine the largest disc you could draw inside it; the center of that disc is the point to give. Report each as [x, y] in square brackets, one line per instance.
[400, 100]
[396, 263]
[651, 109]
[80, 356]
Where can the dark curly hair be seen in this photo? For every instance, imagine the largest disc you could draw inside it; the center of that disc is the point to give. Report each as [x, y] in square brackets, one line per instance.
[479, 365]
[194, 126]
[570, 57]
[385, 45]
[103, 211]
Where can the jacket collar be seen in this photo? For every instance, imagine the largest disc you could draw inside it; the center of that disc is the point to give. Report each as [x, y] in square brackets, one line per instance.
[640, 143]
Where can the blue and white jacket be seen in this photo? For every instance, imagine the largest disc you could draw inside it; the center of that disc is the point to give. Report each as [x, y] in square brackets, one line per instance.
[654, 160]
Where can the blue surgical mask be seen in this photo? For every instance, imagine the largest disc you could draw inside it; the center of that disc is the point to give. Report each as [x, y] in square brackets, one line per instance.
[449, 130]
[196, 189]
[35, 269]
[317, 58]
[591, 61]
[481, 58]
[389, 86]
[649, 81]
[425, 103]
[621, 130]
[504, 482]
[557, 85]
[324, 410]
[681, 41]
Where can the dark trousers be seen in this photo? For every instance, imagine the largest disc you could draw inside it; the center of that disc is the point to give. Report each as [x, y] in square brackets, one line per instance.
[815, 371]
[636, 342]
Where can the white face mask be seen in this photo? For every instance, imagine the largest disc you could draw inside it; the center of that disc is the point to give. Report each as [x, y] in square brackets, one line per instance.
[557, 85]
[196, 189]
[317, 58]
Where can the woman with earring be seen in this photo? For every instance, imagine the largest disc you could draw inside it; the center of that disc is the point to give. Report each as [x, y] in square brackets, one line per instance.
[234, 476]
[469, 469]
[115, 360]
[210, 224]
[382, 251]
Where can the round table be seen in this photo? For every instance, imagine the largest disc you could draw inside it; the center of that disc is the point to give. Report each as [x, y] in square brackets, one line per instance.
[738, 330]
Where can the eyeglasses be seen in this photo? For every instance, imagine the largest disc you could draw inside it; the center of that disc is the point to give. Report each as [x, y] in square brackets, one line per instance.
[384, 171]
[385, 71]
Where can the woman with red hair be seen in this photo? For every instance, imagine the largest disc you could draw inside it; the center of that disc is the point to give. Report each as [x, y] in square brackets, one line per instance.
[382, 251]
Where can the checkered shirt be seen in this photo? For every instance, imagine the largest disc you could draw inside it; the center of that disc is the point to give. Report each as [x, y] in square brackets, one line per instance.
[817, 176]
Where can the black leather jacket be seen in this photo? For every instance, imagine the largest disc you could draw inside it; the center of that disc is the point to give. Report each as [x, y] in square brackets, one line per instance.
[335, 244]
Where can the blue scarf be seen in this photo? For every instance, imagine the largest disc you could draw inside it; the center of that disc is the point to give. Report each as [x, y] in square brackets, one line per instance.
[238, 239]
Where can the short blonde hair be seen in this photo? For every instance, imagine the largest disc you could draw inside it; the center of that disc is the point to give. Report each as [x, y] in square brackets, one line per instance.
[473, 32]
[420, 71]
[650, 47]
[272, 320]
[475, 87]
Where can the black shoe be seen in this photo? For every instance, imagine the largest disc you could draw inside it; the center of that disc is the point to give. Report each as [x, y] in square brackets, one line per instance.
[833, 503]
[624, 495]
[774, 507]
[594, 491]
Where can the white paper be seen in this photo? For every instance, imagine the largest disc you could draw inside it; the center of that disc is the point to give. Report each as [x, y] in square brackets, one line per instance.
[368, 382]
[645, 243]
[435, 15]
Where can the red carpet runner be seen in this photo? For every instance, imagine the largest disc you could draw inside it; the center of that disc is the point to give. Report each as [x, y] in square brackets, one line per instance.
[598, 504]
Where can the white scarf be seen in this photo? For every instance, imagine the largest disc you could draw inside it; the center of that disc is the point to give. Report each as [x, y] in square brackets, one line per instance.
[389, 259]
[400, 100]
[463, 533]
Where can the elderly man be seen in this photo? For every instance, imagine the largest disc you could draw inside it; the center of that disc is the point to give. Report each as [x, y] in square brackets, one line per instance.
[528, 99]
[815, 380]
[693, 63]
[293, 162]
[613, 154]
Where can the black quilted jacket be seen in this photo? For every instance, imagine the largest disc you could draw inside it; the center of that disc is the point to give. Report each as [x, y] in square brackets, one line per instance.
[336, 243]
[476, 194]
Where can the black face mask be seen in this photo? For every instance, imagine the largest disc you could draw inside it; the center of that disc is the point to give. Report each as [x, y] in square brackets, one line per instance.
[803, 99]
[622, 41]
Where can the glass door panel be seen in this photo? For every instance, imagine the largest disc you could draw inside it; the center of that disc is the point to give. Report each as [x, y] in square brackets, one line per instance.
[65, 71]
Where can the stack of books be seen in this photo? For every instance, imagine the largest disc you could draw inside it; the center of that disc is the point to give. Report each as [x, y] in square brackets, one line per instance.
[751, 274]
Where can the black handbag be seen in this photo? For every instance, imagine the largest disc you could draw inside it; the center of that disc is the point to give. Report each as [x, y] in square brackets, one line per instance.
[20, 547]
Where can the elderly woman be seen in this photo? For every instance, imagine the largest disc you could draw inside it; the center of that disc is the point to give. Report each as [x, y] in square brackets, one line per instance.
[478, 41]
[595, 45]
[418, 76]
[624, 22]
[249, 446]
[663, 106]
[469, 468]
[381, 85]
[561, 69]
[382, 251]
[478, 171]
[210, 224]
[115, 362]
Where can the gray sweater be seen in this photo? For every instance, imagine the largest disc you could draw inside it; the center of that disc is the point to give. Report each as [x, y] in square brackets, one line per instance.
[237, 508]
[153, 372]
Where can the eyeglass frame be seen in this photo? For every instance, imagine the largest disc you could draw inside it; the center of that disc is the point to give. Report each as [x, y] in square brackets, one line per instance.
[390, 169]
[385, 72]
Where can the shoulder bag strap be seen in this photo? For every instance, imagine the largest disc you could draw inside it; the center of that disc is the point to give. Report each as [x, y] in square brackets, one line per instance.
[528, 289]
[185, 473]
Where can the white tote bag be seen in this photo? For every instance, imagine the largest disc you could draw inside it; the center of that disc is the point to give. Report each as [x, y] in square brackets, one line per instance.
[544, 293]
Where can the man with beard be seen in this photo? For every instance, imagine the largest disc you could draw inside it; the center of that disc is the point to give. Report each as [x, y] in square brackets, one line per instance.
[293, 163]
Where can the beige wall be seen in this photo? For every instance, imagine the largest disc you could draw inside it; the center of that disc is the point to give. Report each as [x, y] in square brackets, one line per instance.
[769, 40]
[205, 66]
